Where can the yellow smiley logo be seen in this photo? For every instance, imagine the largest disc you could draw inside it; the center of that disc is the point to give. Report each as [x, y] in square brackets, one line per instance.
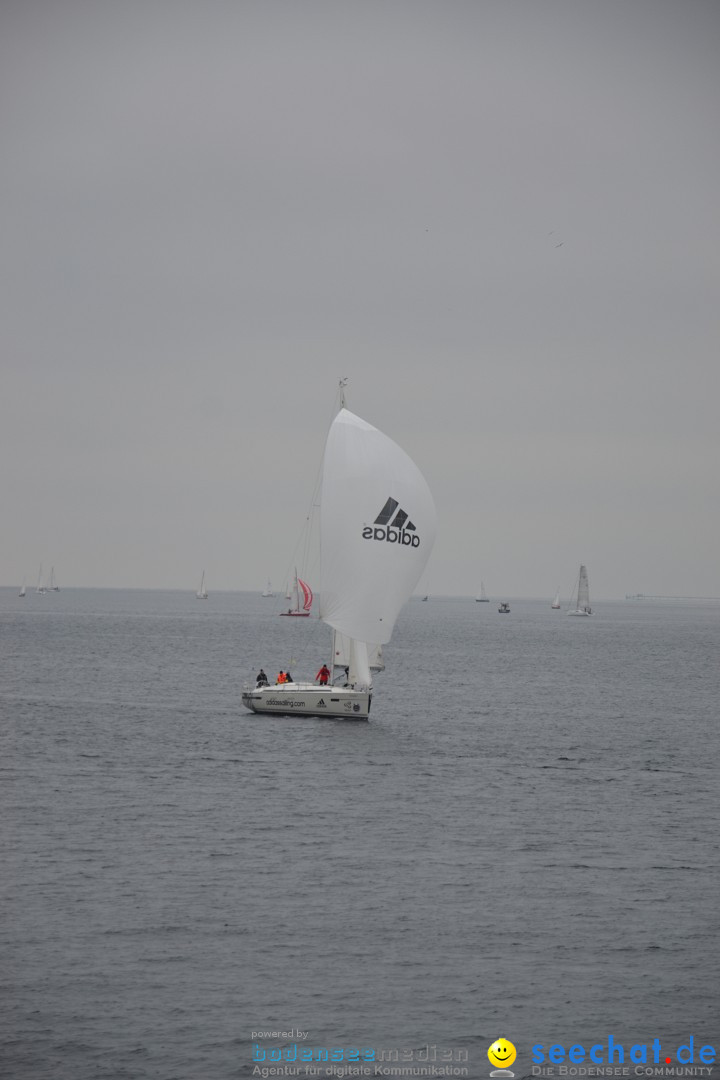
[502, 1053]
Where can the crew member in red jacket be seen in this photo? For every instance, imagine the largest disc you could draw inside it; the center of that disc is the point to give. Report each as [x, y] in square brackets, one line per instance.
[323, 675]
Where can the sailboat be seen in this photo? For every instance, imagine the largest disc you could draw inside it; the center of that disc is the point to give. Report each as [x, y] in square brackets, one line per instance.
[376, 535]
[53, 586]
[267, 591]
[202, 593]
[22, 589]
[582, 595]
[40, 587]
[556, 602]
[300, 587]
[482, 598]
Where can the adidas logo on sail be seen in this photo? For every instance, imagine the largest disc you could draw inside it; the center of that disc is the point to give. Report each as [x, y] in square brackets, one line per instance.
[398, 531]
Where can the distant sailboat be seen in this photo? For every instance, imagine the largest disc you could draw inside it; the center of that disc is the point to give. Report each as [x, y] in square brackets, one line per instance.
[53, 586]
[482, 598]
[22, 589]
[268, 591]
[300, 588]
[556, 602]
[40, 587]
[582, 595]
[202, 593]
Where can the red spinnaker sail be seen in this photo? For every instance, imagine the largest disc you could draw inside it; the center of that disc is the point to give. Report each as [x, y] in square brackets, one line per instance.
[307, 594]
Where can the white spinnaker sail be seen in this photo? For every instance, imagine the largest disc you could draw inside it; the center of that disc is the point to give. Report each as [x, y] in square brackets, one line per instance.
[583, 600]
[377, 529]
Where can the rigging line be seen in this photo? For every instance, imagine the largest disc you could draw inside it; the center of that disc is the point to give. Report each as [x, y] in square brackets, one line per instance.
[305, 539]
[300, 557]
[306, 533]
[299, 649]
[339, 403]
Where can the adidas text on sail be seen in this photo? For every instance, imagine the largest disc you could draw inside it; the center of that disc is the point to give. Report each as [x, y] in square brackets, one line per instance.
[400, 531]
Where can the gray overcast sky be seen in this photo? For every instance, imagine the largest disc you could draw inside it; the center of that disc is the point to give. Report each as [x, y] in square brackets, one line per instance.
[499, 220]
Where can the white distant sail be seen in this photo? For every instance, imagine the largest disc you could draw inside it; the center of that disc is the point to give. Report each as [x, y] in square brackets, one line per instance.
[202, 593]
[556, 602]
[582, 595]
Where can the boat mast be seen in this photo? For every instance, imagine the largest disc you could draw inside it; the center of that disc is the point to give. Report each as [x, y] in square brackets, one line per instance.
[331, 665]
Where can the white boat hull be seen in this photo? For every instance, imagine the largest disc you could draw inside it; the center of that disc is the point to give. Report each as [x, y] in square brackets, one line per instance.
[308, 699]
[579, 612]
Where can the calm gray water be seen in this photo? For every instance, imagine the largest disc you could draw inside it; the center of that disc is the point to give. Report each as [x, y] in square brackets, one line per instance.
[523, 840]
